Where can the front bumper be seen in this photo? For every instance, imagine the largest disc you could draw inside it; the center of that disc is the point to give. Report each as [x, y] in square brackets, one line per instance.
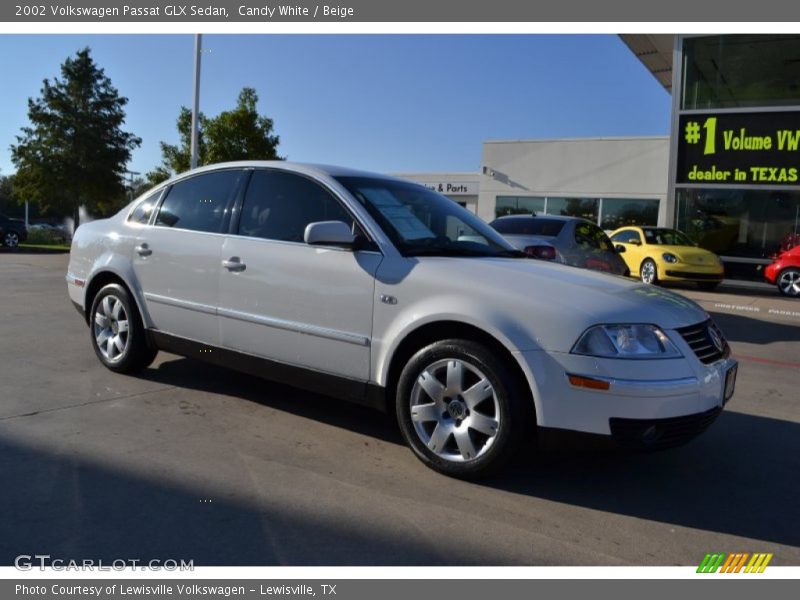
[771, 272]
[638, 390]
[688, 272]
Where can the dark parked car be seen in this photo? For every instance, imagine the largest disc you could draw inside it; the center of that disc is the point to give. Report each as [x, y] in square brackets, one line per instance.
[569, 240]
[12, 231]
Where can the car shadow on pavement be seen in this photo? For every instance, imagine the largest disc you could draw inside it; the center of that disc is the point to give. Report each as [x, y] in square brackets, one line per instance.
[738, 478]
[191, 374]
[741, 328]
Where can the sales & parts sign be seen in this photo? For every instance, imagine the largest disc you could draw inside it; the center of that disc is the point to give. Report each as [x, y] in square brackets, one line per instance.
[739, 148]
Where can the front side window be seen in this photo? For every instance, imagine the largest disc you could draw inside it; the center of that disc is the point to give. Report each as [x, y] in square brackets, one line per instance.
[627, 237]
[279, 206]
[199, 203]
[421, 222]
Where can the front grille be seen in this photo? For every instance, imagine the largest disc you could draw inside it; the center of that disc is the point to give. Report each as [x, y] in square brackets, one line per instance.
[658, 434]
[698, 276]
[699, 338]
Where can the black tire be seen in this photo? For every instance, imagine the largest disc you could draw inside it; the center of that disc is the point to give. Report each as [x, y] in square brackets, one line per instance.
[138, 352]
[11, 239]
[708, 286]
[644, 273]
[787, 282]
[508, 408]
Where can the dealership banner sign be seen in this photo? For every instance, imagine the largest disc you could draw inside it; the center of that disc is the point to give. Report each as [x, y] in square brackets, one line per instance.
[739, 149]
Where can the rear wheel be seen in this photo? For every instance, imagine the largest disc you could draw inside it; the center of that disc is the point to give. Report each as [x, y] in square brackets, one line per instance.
[460, 410]
[648, 272]
[788, 283]
[117, 333]
[11, 239]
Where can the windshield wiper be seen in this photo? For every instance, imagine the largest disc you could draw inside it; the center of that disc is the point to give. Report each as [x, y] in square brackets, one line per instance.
[464, 252]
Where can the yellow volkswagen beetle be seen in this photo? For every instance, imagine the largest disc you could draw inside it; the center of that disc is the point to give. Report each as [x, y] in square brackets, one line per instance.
[658, 254]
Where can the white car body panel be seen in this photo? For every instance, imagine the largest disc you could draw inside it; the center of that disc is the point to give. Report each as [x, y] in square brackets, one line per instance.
[299, 304]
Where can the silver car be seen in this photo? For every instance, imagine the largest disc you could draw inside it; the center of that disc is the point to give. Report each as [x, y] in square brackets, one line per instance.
[377, 290]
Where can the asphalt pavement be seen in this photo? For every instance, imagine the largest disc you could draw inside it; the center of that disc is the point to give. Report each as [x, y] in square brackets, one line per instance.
[187, 461]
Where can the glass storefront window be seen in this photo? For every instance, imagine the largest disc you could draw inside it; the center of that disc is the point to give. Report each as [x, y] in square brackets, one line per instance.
[739, 71]
[739, 223]
[574, 207]
[618, 212]
[518, 205]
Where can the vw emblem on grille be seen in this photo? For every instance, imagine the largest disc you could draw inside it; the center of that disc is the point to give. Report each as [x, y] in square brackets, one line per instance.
[716, 338]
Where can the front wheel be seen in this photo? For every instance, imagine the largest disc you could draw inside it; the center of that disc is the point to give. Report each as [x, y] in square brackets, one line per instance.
[117, 333]
[460, 410]
[788, 283]
[648, 272]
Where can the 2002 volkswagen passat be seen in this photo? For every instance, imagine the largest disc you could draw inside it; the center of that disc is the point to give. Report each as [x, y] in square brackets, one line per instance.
[380, 291]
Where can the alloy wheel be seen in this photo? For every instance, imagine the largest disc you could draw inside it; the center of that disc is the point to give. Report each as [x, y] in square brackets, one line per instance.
[455, 410]
[789, 283]
[111, 328]
[11, 239]
[648, 273]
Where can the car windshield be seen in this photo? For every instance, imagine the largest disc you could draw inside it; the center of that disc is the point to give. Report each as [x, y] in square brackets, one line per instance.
[528, 226]
[420, 222]
[666, 237]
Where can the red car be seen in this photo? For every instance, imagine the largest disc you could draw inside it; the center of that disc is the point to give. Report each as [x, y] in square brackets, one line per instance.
[785, 272]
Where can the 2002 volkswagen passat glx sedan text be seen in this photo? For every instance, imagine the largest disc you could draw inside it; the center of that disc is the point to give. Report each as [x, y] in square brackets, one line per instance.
[380, 291]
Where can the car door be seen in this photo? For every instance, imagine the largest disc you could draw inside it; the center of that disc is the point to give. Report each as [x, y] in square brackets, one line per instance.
[177, 255]
[631, 240]
[285, 300]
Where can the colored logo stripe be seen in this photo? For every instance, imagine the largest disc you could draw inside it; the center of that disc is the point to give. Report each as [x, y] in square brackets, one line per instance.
[734, 563]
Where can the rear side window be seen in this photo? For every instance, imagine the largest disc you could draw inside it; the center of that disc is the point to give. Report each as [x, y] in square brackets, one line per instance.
[591, 237]
[141, 214]
[279, 205]
[199, 203]
[529, 226]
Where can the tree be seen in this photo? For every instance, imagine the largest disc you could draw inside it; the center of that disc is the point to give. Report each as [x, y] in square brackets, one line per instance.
[74, 152]
[238, 134]
[8, 202]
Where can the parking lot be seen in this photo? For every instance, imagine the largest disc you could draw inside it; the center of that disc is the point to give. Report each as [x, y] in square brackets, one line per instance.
[194, 462]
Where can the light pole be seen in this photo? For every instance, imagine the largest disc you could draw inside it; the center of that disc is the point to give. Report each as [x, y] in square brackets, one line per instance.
[198, 45]
[130, 183]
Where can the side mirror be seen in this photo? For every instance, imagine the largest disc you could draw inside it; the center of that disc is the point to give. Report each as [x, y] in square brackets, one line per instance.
[329, 233]
[619, 248]
[541, 252]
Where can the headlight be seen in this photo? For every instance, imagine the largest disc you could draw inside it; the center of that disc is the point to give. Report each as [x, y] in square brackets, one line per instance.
[625, 341]
[669, 257]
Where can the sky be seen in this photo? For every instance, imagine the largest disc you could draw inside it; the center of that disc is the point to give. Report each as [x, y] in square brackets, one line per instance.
[386, 103]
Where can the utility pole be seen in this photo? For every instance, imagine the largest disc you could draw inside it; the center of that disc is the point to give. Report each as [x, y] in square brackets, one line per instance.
[198, 48]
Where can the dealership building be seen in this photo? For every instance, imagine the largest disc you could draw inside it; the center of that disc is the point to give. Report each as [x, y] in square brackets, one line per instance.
[727, 175]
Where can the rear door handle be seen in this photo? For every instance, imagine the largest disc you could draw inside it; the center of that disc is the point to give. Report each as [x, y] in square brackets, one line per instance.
[144, 250]
[234, 264]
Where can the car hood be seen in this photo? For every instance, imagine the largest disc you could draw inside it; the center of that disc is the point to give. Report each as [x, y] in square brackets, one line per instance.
[691, 254]
[554, 299]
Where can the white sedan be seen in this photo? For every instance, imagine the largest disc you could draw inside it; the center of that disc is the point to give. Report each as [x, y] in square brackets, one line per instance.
[379, 291]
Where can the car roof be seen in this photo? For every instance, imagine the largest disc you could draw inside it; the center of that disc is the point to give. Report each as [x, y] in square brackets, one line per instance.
[308, 168]
[552, 217]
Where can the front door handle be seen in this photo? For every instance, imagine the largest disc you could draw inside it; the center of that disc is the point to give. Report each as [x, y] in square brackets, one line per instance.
[234, 264]
[144, 250]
